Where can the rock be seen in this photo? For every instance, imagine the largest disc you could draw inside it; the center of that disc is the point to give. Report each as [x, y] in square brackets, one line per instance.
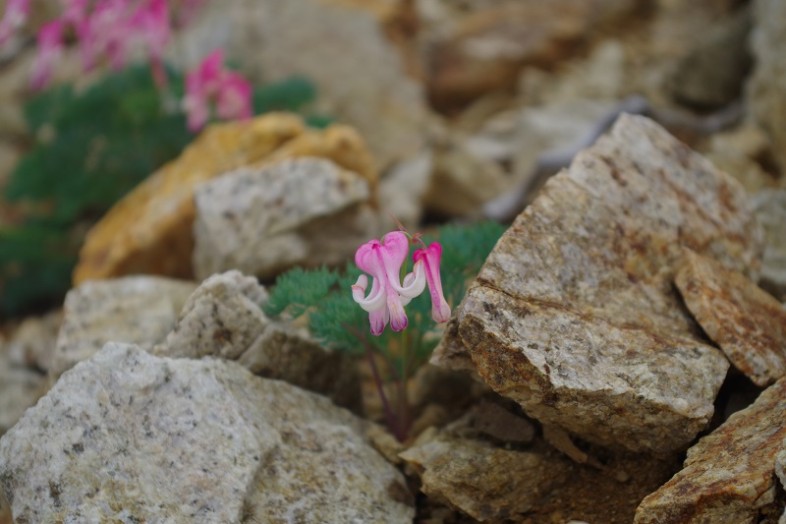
[728, 476]
[770, 207]
[221, 318]
[766, 89]
[463, 179]
[224, 318]
[340, 45]
[574, 315]
[741, 152]
[33, 342]
[475, 477]
[402, 191]
[129, 437]
[746, 322]
[138, 309]
[267, 219]
[150, 229]
[20, 388]
[514, 483]
[711, 74]
[484, 50]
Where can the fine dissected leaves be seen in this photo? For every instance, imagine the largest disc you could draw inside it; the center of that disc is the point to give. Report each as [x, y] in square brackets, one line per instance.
[299, 290]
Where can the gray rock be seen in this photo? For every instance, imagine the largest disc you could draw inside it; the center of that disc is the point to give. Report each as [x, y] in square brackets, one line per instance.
[728, 477]
[746, 322]
[20, 388]
[359, 74]
[136, 309]
[766, 89]
[221, 318]
[770, 207]
[224, 318]
[33, 342]
[127, 437]
[574, 314]
[261, 221]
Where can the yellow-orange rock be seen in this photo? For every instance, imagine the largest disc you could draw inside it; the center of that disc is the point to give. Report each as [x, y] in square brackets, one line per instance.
[150, 229]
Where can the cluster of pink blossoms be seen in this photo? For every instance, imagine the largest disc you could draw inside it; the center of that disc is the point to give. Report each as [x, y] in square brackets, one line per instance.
[114, 31]
[211, 82]
[388, 296]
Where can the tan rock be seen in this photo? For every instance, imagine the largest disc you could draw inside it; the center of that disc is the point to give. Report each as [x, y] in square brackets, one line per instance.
[150, 230]
[746, 322]
[766, 90]
[728, 477]
[500, 482]
[574, 315]
[485, 50]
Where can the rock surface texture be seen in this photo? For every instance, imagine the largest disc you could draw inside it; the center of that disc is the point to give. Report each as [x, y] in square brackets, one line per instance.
[138, 310]
[574, 314]
[728, 476]
[267, 219]
[770, 207]
[766, 91]
[129, 437]
[746, 322]
[150, 229]
[224, 318]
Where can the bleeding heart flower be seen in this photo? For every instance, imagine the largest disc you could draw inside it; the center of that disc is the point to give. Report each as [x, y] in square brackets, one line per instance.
[209, 82]
[387, 298]
[50, 47]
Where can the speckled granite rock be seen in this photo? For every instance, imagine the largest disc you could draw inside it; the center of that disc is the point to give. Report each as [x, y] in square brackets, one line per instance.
[746, 322]
[574, 314]
[150, 229]
[771, 210]
[224, 318]
[129, 437]
[139, 310]
[728, 477]
[305, 211]
[766, 90]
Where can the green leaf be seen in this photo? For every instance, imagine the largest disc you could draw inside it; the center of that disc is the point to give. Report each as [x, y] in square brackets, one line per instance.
[291, 94]
[298, 290]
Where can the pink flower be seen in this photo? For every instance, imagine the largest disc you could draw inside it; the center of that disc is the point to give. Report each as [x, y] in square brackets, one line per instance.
[15, 16]
[50, 47]
[430, 257]
[387, 298]
[211, 82]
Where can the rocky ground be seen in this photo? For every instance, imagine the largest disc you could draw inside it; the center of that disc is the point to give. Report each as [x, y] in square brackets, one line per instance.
[619, 358]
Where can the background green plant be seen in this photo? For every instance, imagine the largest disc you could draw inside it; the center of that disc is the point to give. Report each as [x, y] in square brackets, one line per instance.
[89, 150]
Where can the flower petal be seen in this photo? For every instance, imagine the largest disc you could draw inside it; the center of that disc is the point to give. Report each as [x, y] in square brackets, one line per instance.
[431, 255]
[375, 299]
[378, 320]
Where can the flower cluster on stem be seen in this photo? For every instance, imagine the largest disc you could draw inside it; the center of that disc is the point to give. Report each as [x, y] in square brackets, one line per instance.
[385, 301]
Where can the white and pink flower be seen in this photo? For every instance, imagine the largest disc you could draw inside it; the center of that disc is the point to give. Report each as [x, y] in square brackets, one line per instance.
[388, 295]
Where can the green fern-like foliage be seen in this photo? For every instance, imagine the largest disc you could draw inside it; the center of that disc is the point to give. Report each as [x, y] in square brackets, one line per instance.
[338, 322]
[90, 149]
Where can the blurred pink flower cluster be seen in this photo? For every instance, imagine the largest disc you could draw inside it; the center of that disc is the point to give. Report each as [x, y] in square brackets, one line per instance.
[212, 82]
[114, 32]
